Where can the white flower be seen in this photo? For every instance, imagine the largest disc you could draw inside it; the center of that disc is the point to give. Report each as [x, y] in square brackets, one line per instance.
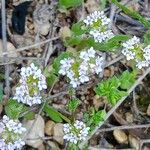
[79, 70]
[11, 135]
[131, 43]
[98, 23]
[97, 16]
[31, 83]
[142, 64]
[76, 132]
[101, 36]
[146, 54]
[134, 50]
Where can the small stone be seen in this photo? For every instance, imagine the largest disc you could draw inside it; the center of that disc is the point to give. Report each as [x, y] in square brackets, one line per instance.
[43, 28]
[146, 148]
[10, 48]
[134, 142]
[129, 117]
[36, 132]
[53, 145]
[148, 110]
[41, 147]
[120, 136]
[58, 133]
[92, 5]
[49, 127]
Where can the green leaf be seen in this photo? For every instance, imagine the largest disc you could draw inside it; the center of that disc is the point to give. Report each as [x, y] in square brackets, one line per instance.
[127, 79]
[56, 64]
[69, 3]
[109, 88]
[54, 114]
[132, 13]
[99, 116]
[73, 104]
[77, 28]
[1, 93]
[51, 79]
[13, 109]
[147, 37]
[29, 116]
[112, 44]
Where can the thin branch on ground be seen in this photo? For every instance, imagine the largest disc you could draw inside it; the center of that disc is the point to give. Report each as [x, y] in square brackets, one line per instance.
[4, 43]
[138, 81]
[32, 46]
[125, 127]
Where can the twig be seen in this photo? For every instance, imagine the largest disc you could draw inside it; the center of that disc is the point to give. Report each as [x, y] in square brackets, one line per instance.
[114, 61]
[115, 107]
[143, 142]
[112, 14]
[32, 46]
[4, 39]
[125, 127]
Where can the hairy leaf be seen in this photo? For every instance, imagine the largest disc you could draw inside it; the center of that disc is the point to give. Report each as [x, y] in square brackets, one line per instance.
[69, 3]
[13, 109]
[73, 104]
[54, 114]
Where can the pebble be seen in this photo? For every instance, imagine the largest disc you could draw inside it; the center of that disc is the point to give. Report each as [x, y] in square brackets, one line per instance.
[148, 110]
[36, 132]
[120, 136]
[58, 133]
[10, 47]
[53, 145]
[129, 117]
[135, 143]
[49, 127]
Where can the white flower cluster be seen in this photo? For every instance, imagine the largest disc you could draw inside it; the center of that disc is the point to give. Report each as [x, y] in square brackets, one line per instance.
[133, 49]
[76, 132]
[79, 71]
[98, 23]
[10, 134]
[31, 83]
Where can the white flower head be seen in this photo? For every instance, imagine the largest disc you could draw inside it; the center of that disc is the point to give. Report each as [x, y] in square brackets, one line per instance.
[96, 19]
[134, 50]
[76, 132]
[31, 83]
[101, 36]
[80, 70]
[98, 23]
[11, 136]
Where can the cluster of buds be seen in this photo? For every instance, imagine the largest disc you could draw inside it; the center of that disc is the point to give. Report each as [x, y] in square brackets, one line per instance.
[11, 132]
[79, 70]
[98, 23]
[134, 50]
[76, 132]
[30, 84]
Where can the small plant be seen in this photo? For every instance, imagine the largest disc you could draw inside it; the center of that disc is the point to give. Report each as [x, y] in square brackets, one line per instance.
[114, 87]
[11, 134]
[31, 83]
[80, 69]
